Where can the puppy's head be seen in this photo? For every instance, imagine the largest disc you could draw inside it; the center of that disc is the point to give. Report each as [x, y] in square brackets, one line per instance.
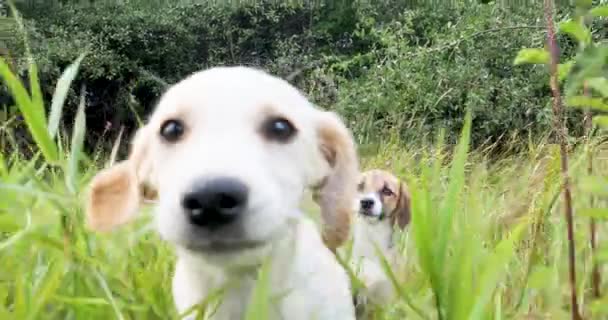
[383, 196]
[228, 152]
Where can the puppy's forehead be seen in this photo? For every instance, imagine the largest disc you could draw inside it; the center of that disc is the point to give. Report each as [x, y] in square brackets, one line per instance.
[377, 179]
[240, 89]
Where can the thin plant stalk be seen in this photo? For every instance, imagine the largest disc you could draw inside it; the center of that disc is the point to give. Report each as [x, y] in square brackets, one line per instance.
[596, 278]
[561, 130]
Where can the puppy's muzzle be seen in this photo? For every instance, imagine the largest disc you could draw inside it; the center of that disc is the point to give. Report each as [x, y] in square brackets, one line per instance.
[215, 203]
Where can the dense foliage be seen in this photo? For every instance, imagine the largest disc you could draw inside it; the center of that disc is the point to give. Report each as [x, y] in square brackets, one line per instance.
[388, 68]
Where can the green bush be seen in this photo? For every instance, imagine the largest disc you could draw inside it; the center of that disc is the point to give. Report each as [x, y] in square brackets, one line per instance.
[385, 67]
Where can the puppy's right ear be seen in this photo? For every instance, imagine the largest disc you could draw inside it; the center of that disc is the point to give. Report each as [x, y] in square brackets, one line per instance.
[117, 192]
[335, 193]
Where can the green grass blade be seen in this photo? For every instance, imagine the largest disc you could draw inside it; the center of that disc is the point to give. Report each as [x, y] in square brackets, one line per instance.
[115, 147]
[259, 305]
[61, 92]
[77, 143]
[50, 284]
[456, 184]
[3, 167]
[31, 113]
[109, 296]
[396, 285]
[595, 213]
[36, 92]
[494, 269]
[423, 228]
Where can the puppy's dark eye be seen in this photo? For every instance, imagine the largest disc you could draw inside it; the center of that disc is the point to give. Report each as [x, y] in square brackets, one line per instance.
[171, 130]
[387, 192]
[278, 129]
[360, 186]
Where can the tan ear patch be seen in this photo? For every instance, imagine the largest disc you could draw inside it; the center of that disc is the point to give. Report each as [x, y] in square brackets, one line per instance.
[114, 197]
[402, 214]
[339, 187]
[116, 193]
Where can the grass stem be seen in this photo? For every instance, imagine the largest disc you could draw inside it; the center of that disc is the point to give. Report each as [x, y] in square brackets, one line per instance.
[561, 130]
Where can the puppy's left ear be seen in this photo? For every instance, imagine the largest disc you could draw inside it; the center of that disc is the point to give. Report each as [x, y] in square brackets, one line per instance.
[338, 189]
[403, 214]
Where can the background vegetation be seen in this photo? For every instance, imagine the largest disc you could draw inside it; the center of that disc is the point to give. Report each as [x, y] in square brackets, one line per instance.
[488, 239]
[388, 67]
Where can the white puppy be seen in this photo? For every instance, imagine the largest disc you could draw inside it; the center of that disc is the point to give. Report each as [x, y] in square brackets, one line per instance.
[229, 152]
[383, 204]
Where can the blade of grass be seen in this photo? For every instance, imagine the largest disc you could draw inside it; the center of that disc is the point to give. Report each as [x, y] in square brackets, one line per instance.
[400, 290]
[259, 305]
[52, 281]
[422, 204]
[115, 147]
[31, 113]
[3, 167]
[36, 92]
[456, 183]
[61, 92]
[493, 270]
[77, 143]
[109, 296]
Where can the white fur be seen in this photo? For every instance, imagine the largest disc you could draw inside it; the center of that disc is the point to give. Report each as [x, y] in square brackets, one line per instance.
[303, 277]
[222, 109]
[371, 233]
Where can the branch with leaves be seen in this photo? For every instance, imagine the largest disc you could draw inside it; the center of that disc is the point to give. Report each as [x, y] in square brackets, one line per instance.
[586, 87]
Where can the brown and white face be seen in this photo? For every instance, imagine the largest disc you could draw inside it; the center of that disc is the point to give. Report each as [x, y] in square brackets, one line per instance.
[381, 195]
[229, 152]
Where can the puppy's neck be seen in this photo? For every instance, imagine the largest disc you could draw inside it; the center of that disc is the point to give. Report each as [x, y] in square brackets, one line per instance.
[367, 234]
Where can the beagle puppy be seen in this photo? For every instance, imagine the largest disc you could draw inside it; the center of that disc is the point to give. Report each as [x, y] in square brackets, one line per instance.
[381, 207]
[228, 153]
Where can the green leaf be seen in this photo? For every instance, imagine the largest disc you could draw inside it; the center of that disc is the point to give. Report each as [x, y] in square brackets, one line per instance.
[61, 92]
[601, 121]
[576, 30]
[532, 56]
[77, 142]
[563, 69]
[599, 84]
[587, 102]
[590, 63]
[597, 213]
[601, 11]
[31, 113]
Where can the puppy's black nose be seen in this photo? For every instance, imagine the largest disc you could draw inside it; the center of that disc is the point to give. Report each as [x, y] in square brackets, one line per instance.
[367, 203]
[216, 202]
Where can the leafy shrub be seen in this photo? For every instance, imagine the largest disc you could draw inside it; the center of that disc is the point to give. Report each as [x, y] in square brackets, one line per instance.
[388, 68]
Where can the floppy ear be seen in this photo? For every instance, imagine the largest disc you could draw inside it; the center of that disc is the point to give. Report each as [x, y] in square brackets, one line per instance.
[116, 193]
[402, 214]
[337, 190]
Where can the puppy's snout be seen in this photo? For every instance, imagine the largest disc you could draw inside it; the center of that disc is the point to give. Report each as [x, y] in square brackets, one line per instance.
[216, 202]
[367, 204]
